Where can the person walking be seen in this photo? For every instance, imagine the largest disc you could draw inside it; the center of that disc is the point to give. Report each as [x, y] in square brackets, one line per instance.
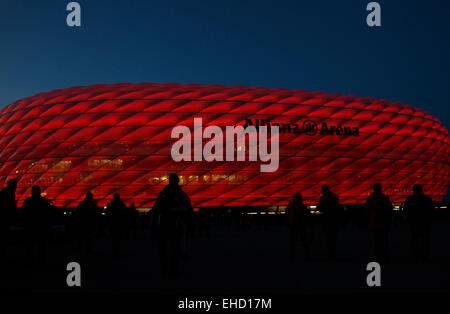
[116, 212]
[87, 215]
[37, 223]
[299, 218]
[379, 210]
[170, 211]
[419, 214]
[133, 218]
[331, 217]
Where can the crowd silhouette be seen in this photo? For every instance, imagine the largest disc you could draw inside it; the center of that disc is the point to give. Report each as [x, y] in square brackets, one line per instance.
[172, 219]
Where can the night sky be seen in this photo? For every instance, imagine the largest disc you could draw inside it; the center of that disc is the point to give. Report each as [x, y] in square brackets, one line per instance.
[312, 45]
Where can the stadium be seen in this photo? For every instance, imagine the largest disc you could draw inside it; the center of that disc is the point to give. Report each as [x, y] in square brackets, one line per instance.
[117, 138]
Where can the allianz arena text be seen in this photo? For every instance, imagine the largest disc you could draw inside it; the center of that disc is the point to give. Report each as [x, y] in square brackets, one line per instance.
[117, 138]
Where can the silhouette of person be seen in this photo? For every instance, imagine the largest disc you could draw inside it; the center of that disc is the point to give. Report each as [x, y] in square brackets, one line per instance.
[87, 214]
[37, 223]
[9, 207]
[171, 209]
[299, 219]
[331, 217]
[133, 216]
[116, 211]
[419, 213]
[379, 210]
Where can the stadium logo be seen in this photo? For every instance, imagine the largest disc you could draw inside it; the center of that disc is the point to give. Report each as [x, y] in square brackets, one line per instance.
[308, 127]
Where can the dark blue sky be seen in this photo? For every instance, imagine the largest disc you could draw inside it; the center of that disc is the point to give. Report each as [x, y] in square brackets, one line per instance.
[312, 45]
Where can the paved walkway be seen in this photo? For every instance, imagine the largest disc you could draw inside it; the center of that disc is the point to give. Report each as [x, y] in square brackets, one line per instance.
[238, 261]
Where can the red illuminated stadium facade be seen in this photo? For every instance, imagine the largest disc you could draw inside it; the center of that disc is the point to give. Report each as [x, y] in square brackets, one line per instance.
[117, 138]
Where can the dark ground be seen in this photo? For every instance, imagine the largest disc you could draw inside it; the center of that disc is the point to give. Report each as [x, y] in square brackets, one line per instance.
[246, 261]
